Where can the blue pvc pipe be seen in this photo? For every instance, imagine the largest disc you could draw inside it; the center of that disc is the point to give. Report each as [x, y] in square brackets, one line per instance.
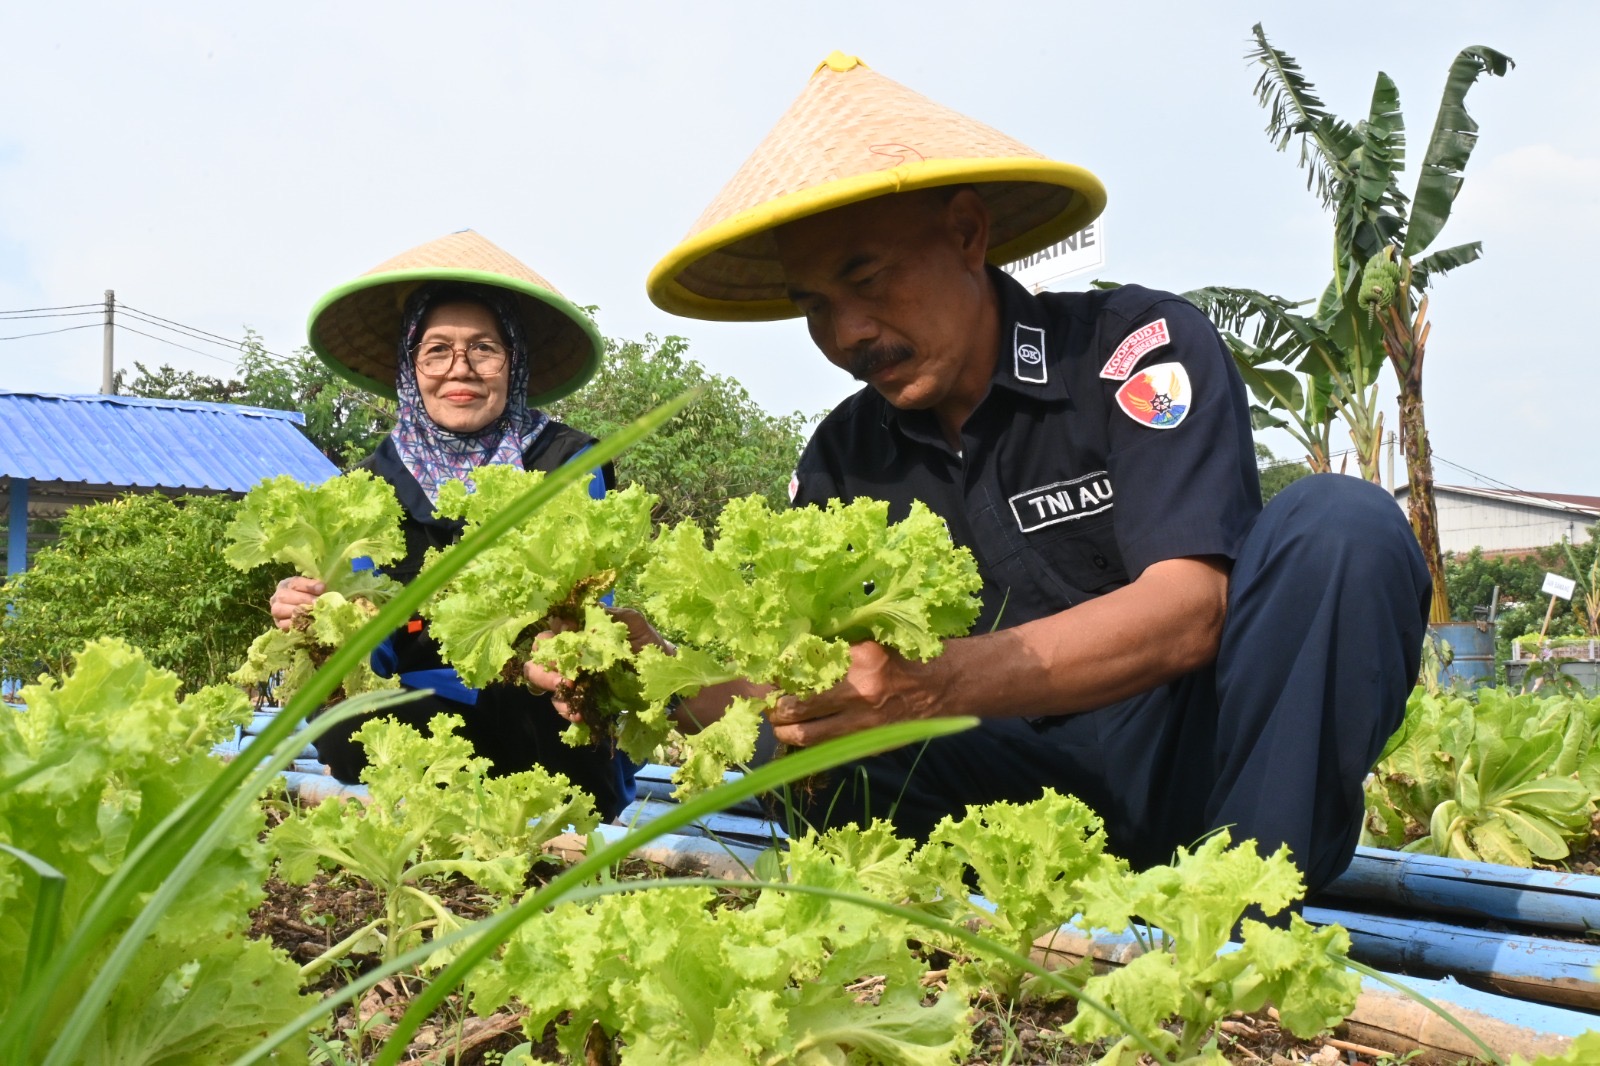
[1529, 967]
[1428, 883]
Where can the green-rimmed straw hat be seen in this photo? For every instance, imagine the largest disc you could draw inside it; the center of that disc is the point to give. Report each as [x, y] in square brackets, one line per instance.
[851, 135]
[355, 329]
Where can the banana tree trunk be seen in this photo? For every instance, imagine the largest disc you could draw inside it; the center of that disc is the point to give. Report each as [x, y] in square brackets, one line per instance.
[1424, 513]
[1405, 341]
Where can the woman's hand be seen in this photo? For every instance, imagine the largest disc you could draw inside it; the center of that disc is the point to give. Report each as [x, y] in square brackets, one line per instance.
[293, 595]
[640, 635]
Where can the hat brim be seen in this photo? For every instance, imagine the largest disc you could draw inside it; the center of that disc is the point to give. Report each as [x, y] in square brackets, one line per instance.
[355, 330]
[730, 272]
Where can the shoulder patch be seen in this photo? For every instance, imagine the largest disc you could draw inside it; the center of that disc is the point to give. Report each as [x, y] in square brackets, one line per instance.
[1027, 354]
[1134, 347]
[1157, 396]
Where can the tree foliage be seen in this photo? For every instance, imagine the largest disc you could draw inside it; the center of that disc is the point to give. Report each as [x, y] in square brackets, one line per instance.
[344, 422]
[1276, 474]
[724, 446]
[148, 570]
[1521, 607]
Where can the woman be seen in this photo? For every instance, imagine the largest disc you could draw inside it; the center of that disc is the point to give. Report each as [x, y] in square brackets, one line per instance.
[470, 340]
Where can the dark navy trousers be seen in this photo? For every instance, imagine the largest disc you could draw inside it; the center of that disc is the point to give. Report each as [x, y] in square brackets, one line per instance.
[1327, 607]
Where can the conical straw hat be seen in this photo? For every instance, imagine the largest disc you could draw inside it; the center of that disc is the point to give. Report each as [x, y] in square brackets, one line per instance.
[851, 135]
[355, 329]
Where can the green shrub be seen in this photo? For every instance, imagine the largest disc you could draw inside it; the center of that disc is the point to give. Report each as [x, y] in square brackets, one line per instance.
[145, 569]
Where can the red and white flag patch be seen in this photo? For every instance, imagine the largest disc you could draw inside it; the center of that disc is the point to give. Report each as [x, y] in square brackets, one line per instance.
[1157, 396]
[1134, 347]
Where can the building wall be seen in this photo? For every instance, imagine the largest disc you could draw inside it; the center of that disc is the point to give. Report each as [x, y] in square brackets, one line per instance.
[1467, 522]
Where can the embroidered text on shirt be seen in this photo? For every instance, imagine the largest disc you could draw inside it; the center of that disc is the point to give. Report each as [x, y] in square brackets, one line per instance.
[1062, 501]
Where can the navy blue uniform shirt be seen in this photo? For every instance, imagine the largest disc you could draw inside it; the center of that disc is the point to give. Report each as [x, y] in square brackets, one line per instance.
[1115, 434]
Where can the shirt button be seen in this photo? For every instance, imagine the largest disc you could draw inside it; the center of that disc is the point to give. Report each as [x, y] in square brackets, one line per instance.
[1100, 561]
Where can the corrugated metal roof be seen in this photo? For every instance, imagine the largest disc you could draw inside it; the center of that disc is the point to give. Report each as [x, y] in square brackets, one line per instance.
[1588, 506]
[165, 444]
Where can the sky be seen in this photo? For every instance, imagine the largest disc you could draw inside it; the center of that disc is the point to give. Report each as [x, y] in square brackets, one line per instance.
[223, 165]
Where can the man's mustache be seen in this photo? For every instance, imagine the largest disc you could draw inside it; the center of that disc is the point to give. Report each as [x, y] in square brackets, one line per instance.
[868, 360]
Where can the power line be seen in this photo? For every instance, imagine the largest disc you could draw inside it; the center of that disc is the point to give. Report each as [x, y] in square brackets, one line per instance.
[47, 332]
[356, 397]
[196, 333]
[175, 344]
[1481, 477]
[10, 316]
[172, 322]
[62, 307]
[184, 332]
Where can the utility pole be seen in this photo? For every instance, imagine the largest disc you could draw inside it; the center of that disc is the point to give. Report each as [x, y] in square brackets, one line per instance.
[107, 384]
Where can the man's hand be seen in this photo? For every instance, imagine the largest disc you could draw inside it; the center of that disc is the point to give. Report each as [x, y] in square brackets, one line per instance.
[880, 687]
[293, 595]
[1079, 659]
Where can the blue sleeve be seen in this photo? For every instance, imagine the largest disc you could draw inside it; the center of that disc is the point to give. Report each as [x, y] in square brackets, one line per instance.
[384, 658]
[597, 491]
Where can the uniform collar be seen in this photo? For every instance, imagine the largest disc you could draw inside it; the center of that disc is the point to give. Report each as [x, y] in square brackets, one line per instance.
[1029, 361]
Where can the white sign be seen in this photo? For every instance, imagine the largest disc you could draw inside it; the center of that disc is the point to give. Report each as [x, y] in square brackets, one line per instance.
[1556, 585]
[1084, 250]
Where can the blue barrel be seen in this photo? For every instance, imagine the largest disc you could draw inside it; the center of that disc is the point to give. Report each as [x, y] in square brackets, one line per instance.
[1472, 648]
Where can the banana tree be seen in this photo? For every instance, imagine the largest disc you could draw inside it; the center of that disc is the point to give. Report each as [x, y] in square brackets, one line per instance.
[1355, 170]
[1299, 378]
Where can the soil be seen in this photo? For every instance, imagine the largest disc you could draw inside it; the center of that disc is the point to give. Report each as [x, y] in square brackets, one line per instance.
[306, 920]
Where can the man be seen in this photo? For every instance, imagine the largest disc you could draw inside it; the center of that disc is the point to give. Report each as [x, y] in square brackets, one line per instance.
[1150, 641]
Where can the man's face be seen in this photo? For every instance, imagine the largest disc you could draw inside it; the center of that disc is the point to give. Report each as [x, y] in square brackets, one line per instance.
[893, 291]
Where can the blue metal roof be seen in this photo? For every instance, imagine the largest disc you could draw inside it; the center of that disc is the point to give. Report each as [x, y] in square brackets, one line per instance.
[126, 441]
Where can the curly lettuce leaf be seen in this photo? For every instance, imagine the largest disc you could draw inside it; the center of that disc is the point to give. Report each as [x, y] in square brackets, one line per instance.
[729, 741]
[559, 561]
[1065, 844]
[433, 812]
[319, 529]
[780, 596]
[95, 763]
[779, 591]
[292, 655]
[679, 981]
[1198, 901]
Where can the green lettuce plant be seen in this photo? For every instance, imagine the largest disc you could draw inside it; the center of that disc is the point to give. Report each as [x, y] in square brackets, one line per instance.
[321, 530]
[432, 814]
[88, 773]
[1506, 778]
[777, 598]
[548, 572]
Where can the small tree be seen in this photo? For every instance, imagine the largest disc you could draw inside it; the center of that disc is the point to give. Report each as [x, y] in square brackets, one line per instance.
[723, 446]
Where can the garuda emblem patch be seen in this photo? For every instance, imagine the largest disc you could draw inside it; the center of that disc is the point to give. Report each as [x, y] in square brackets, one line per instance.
[1157, 396]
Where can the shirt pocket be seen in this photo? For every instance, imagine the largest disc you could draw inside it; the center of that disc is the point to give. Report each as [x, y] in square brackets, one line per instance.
[1081, 554]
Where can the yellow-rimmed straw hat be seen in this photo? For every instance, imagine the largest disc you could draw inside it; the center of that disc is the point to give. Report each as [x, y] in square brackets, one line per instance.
[851, 135]
[355, 329]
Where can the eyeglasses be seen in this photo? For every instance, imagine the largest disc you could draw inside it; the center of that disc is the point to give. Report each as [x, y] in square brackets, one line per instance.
[435, 358]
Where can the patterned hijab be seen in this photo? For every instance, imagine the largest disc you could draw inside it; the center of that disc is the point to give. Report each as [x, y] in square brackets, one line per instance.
[435, 455]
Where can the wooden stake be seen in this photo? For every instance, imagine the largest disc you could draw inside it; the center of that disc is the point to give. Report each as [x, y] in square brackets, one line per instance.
[1548, 614]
